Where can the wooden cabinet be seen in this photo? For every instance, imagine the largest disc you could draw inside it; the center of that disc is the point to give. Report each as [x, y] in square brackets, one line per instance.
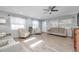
[76, 39]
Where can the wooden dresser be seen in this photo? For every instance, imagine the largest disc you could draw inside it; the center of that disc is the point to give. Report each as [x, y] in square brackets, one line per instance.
[76, 39]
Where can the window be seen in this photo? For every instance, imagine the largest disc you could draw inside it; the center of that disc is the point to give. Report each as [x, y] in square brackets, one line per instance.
[35, 24]
[2, 20]
[52, 23]
[66, 23]
[17, 23]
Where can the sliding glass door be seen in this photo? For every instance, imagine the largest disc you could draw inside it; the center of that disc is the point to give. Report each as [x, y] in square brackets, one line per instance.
[35, 24]
[44, 26]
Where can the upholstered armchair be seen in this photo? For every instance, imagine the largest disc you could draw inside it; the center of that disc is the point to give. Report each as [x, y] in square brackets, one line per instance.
[23, 33]
[36, 31]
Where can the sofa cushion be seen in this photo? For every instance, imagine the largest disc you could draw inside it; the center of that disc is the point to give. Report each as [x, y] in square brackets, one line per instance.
[23, 33]
[58, 31]
[2, 34]
[3, 42]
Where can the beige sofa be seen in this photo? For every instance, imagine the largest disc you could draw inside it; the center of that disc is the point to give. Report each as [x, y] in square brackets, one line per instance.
[58, 31]
[3, 41]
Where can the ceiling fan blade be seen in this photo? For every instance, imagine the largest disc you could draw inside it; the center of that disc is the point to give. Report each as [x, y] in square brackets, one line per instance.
[54, 10]
[53, 7]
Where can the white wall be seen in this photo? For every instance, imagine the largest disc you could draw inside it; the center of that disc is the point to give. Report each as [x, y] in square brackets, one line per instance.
[5, 27]
[28, 23]
[56, 20]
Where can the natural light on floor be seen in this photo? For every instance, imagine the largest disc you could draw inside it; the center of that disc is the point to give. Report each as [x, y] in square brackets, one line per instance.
[35, 44]
[33, 38]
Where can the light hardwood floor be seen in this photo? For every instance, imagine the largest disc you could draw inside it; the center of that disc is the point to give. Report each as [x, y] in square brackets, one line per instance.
[47, 43]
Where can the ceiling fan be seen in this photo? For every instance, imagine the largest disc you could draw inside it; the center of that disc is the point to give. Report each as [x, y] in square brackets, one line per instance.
[50, 9]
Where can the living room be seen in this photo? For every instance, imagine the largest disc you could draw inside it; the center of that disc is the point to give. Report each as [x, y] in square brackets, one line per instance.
[38, 28]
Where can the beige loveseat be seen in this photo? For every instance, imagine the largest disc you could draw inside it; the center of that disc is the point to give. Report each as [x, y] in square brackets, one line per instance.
[58, 31]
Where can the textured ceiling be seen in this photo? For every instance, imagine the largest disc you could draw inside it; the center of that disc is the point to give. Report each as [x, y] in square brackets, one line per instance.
[37, 11]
